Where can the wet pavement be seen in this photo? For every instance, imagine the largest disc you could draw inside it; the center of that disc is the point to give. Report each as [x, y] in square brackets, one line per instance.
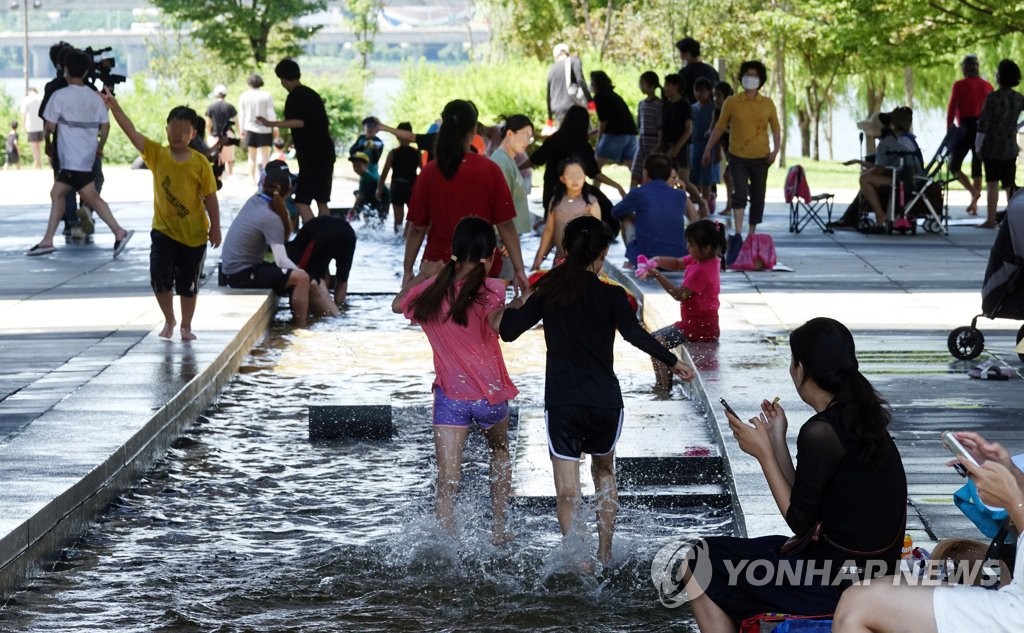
[900, 295]
[89, 394]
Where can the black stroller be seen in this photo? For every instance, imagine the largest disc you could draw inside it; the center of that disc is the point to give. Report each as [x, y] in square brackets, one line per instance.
[1002, 295]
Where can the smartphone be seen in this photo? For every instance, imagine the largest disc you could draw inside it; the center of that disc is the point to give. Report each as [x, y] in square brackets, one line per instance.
[953, 445]
[728, 408]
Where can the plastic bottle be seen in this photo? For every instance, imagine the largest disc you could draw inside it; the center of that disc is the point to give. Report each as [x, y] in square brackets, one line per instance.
[908, 546]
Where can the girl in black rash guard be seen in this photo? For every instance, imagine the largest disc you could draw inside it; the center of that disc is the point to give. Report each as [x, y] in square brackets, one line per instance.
[845, 500]
[582, 400]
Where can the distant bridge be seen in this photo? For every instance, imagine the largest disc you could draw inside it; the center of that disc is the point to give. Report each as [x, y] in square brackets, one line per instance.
[132, 46]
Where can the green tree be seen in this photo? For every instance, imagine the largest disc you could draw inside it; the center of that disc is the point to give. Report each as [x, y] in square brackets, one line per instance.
[245, 33]
[362, 16]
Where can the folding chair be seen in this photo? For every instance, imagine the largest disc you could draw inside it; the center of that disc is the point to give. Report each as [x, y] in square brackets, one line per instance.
[803, 207]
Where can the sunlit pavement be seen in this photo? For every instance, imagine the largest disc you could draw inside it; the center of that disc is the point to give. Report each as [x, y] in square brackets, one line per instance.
[901, 295]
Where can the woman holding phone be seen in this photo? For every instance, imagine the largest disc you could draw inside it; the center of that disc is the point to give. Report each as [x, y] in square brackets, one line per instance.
[881, 607]
[845, 498]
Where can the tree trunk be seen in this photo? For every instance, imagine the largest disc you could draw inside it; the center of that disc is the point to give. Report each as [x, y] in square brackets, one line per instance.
[609, 16]
[804, 122]
[875, 95]
[828, 133]
[780, 75]
[908, 87]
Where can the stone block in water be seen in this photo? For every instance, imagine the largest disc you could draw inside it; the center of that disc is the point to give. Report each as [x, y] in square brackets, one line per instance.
[357, 422]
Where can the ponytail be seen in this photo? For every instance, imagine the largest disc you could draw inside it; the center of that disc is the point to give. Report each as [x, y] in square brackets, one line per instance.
[585, 240]
[825, 349]
[458, 120]
[472, 243]
[278, 206]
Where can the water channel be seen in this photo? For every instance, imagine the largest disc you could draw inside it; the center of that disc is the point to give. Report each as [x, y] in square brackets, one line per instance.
[246, 525]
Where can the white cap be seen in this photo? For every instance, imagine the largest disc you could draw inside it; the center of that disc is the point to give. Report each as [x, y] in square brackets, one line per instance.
[220, 90]
[560, 48]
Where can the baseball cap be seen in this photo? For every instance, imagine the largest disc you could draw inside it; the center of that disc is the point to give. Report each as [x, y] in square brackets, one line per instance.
[220, 90]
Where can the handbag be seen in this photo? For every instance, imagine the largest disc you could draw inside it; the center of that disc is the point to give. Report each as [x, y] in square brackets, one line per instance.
[1003, 548]
[572, 87]
[987, 518]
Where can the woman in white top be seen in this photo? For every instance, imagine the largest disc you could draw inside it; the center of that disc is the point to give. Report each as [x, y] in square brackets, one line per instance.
[880, 607]
[253, 103]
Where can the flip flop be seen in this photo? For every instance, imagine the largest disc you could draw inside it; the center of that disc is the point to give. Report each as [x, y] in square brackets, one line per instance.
[40, 250]
[120, 244]
[989, 371]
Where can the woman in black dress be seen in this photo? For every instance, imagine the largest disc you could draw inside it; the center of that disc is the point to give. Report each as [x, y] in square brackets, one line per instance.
[845, 500]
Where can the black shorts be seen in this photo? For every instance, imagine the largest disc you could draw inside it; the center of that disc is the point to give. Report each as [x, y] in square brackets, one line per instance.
[682, 159]
[256, 139]
[1002, 170]
[574, 430]
[265, 275]
[13, 158]
[315, 179]
[401, 190]
[35, 137]
[174, 266]
[78, 180]
[320, 241]
[965, 144]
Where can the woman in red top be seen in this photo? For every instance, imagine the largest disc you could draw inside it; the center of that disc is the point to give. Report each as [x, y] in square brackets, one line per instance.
[965, 107]
[458, 184]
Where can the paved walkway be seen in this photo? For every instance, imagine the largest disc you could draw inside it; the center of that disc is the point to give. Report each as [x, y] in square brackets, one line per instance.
[901, 296]
[89, 394]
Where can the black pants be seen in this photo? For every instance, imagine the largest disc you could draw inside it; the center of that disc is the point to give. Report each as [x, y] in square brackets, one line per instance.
[749, 179]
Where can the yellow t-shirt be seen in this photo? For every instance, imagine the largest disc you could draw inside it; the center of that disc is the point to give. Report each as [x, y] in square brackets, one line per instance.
[747, 122]
[179, 189]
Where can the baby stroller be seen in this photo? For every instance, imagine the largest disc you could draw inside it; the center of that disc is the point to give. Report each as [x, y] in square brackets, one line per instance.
[1002, 295]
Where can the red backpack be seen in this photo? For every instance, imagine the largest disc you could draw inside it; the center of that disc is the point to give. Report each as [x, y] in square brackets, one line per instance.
[757, 253]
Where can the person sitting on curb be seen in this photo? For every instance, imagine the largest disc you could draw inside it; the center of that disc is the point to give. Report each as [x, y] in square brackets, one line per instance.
[657, 211]
[263, 223]
[885, 606]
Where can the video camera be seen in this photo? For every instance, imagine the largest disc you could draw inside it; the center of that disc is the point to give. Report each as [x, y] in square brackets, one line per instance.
[223, 135]
[100, 73]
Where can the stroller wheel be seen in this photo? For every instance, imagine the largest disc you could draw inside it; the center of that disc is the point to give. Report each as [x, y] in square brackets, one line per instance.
[966, 342]
[1020, 337]
[932, 225]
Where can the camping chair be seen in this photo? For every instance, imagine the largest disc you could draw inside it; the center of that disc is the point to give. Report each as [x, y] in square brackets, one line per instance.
[803, 207]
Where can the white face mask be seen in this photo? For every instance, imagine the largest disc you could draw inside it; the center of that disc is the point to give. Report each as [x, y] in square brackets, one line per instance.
[750, 82]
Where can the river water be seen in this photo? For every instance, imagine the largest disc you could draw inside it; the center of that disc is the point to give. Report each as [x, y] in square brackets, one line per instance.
[246, 525]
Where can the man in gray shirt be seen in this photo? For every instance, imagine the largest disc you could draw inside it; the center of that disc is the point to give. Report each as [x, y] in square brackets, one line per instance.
[566, 84]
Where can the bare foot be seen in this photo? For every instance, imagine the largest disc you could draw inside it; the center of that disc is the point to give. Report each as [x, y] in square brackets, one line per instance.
[972, 208]
[168, 329]
[986, 225]
[187, 335]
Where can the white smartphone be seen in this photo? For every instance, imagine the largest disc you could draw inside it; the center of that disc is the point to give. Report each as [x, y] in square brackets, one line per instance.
[953, 445]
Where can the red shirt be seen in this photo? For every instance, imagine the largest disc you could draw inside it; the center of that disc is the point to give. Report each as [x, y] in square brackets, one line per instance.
[966, 100]
[478, 189]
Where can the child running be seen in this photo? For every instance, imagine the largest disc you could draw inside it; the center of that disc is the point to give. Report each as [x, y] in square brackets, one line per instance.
[459, 310]
[697, 296]
[582, 400]
[572, 199]
[403, 163]
[184, 194]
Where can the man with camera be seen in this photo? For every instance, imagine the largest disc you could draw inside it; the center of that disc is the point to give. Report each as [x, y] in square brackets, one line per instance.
[81, 118]
[220, 117]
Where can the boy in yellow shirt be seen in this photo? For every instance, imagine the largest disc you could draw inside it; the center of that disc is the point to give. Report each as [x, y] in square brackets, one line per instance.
[184, 194]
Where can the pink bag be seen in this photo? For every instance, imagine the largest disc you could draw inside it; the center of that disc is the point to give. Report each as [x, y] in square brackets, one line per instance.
[757, 253]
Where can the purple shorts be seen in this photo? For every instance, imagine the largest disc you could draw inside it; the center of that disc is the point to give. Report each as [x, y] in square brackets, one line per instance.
[449, 412]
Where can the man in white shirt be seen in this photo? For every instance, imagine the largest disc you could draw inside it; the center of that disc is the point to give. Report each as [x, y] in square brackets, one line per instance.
[256, 102]
[82, 118]
[33, 125]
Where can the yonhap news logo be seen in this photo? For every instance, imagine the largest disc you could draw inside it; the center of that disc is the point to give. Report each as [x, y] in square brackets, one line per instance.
[670, 572]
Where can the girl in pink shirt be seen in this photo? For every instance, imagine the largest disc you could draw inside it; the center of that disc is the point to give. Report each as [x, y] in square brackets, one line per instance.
[459, 310]
[697, 296]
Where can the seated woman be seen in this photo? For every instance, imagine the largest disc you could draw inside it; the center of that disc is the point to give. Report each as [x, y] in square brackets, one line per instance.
[319, 242]
[894, 142]
[263, 223]
[845, 500]
[883, 606]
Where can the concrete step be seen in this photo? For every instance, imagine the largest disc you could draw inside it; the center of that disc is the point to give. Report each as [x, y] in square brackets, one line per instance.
[666, 458]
